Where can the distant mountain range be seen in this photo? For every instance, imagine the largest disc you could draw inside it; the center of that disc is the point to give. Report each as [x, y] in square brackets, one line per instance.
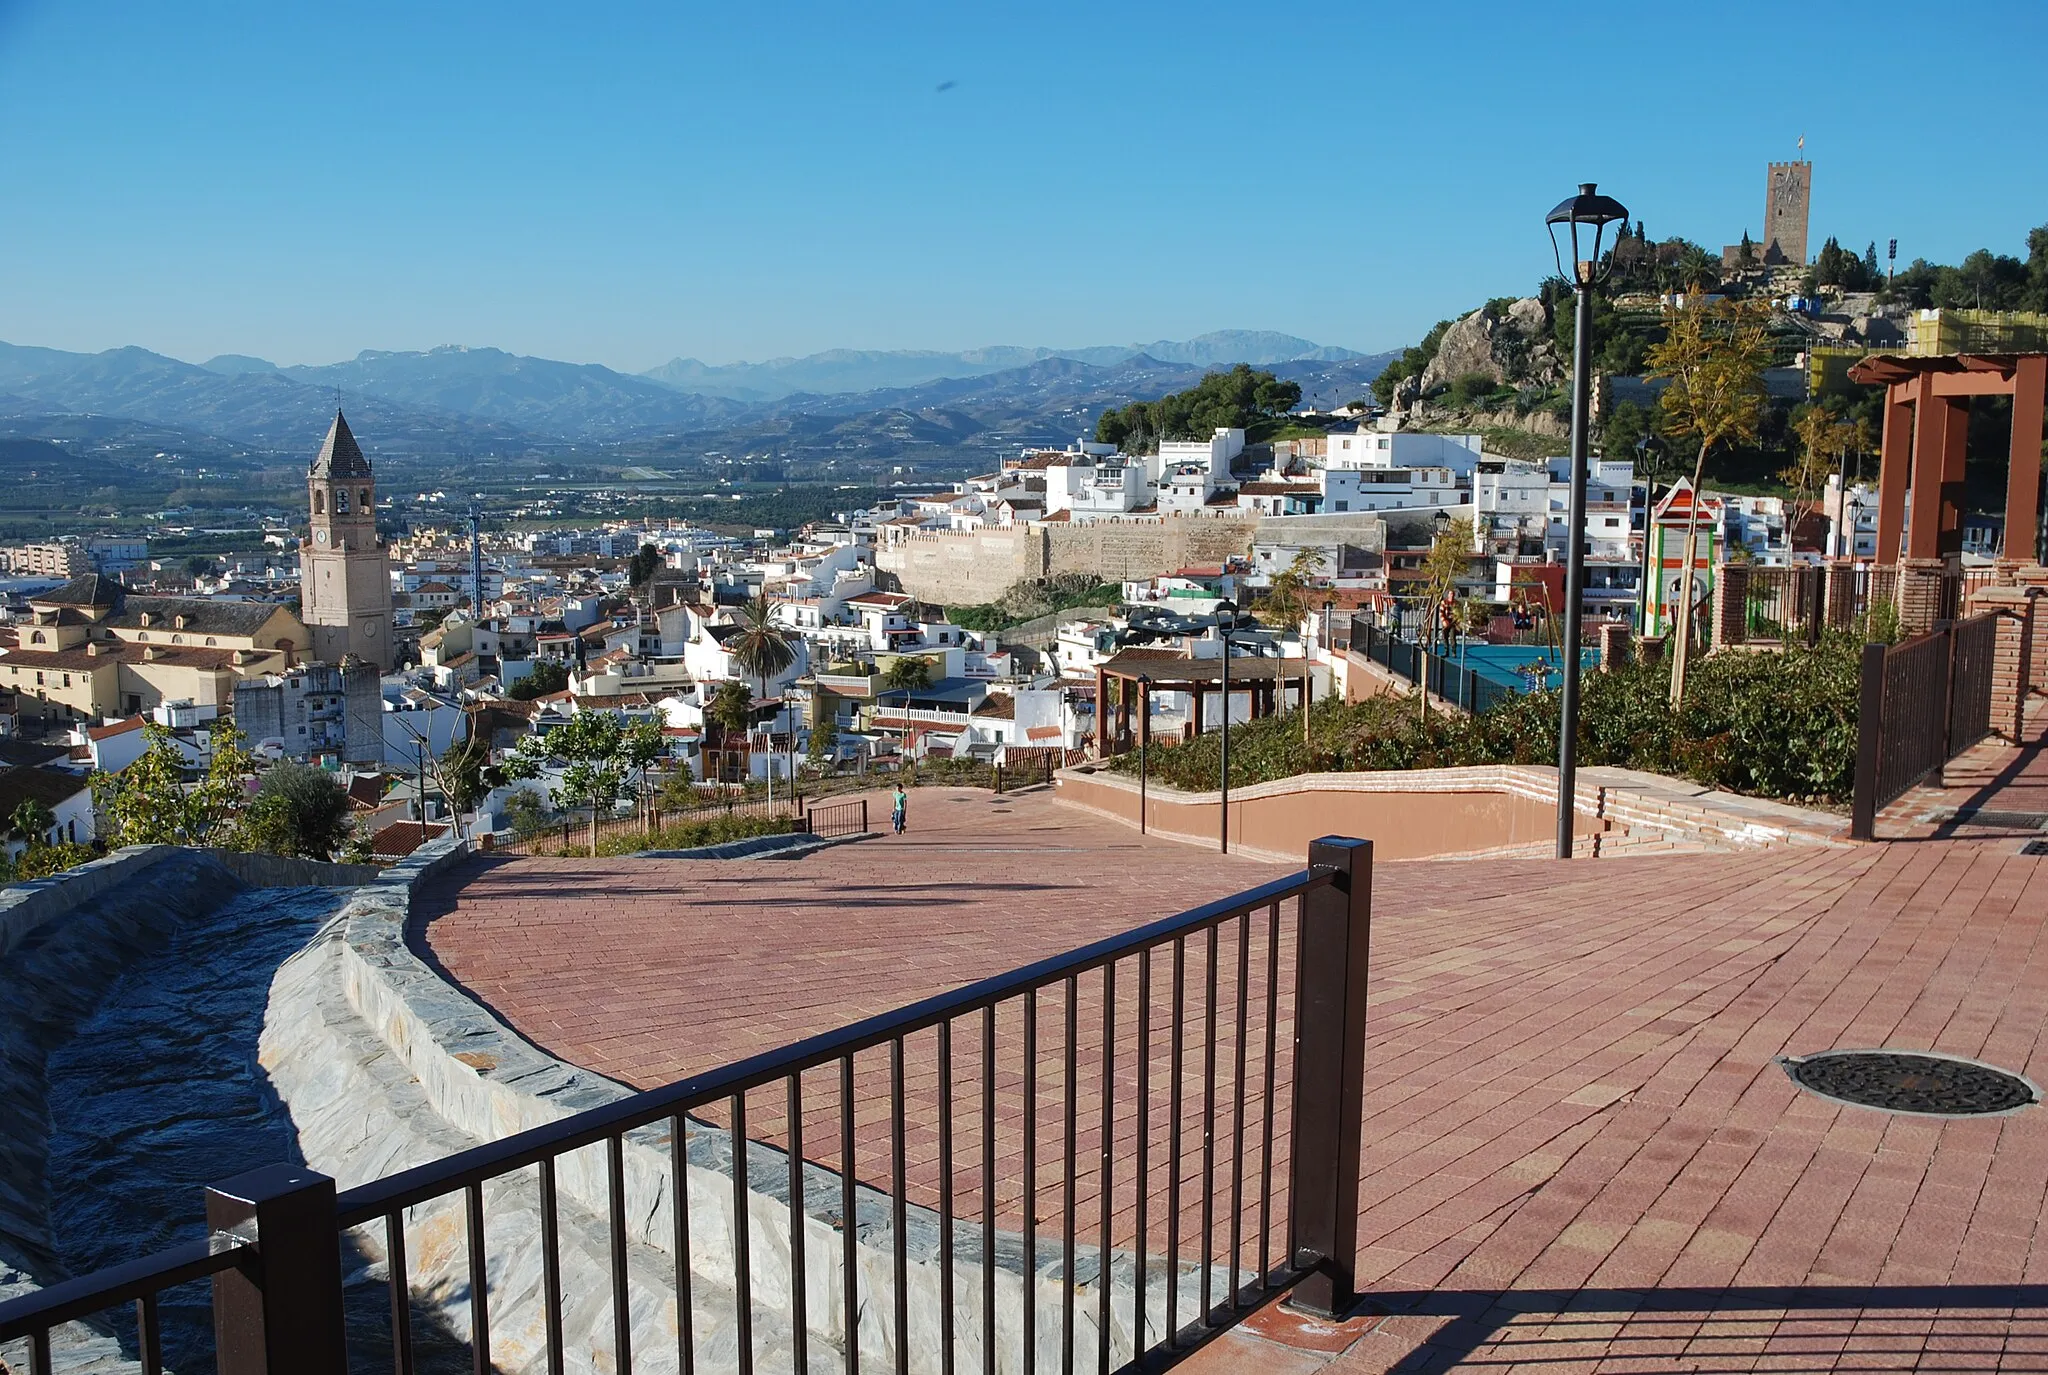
[481, 401]
[859, 370]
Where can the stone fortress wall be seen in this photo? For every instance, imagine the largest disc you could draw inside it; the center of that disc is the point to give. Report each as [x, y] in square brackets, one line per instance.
[980, 565]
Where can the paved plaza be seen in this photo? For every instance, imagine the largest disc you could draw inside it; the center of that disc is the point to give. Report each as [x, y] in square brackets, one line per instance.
[1581, 1151]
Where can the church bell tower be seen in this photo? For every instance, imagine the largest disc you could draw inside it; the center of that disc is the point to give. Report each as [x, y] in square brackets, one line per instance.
[344, 569]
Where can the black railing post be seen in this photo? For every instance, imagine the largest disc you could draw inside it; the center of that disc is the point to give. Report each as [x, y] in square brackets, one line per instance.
[1869, 744]
[1329, 1075]
[278, 1313]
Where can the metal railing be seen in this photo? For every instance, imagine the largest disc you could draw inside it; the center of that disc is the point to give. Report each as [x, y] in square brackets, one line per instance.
[1449, 680]
[1205, 1140]
[1924, 701]
[830, 821]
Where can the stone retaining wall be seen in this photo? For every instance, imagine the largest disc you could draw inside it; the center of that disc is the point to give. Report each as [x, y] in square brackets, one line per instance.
[1479, 812]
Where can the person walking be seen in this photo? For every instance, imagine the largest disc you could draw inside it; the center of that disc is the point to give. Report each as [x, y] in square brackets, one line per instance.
[899, 809]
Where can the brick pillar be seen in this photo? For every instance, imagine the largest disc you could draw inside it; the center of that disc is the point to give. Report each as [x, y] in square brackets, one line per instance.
[2013, 661]
[1650, 650]
[1731, 604]
[1841, 595]
[1614, 645]
[1919, 594]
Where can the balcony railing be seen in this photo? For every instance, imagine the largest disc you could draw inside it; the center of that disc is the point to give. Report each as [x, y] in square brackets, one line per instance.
[1194, 1086]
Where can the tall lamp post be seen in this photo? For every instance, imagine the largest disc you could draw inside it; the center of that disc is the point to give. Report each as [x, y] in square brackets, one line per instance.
[1587, 216]
[1226, 621]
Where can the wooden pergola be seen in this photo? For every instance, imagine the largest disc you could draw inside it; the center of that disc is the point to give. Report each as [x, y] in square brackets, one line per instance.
[1926, 421]
[1154, 672]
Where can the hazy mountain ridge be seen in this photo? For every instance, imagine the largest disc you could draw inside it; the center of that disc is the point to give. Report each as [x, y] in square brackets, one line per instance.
[484, 401]
[842, 371]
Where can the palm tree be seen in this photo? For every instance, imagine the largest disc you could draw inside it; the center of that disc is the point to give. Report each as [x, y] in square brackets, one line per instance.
[906, 675]
[32, 822]
[762, 648]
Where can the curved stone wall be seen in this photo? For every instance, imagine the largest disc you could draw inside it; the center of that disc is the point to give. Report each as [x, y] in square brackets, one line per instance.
[64, 942]
[384, 1065]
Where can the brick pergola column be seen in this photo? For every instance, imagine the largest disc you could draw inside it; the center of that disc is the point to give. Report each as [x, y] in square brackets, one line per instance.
[2023, 478]
[1731, 604]
[1930, 450]
[1894, 469]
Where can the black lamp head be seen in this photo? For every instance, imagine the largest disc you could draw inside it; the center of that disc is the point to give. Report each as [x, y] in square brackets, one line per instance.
[1588, 214]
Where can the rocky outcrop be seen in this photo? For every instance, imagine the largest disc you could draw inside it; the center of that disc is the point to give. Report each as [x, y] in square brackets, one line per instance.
[1509, 346]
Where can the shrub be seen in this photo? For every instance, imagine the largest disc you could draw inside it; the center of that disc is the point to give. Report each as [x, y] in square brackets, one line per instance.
[687, 835]
[1779, 725]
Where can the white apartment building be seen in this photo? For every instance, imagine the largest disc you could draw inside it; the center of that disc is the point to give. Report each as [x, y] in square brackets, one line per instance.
[1758, 525]
[1521, 505]
[1852, 519]
[1402, 449]
[1384, 489]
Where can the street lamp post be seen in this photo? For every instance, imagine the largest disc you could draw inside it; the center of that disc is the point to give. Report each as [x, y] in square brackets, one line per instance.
[1144, 745]
[1587, 213]
[1226, 621]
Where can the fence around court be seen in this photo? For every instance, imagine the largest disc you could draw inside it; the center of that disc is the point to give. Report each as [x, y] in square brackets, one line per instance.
[1451, 680]
[1095, 1161]
[1923, 701]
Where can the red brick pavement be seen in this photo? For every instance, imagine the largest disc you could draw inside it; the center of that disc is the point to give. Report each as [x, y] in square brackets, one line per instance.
[1579, 1151]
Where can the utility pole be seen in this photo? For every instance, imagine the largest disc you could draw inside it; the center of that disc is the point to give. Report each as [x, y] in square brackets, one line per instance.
[476, 566]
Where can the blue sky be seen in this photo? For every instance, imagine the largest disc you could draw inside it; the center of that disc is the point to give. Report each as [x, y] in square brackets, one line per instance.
[626, 183]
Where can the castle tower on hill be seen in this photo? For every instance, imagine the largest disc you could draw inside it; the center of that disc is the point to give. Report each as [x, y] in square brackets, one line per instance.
[344, 569]
[1788, 197]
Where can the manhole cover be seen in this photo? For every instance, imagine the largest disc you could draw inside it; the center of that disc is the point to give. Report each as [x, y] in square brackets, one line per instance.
[1903, 1081]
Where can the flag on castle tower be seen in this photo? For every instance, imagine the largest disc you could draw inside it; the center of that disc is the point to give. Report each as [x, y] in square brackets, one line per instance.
[1802, 143]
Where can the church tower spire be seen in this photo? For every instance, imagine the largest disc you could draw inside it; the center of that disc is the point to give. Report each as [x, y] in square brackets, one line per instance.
[344, 568]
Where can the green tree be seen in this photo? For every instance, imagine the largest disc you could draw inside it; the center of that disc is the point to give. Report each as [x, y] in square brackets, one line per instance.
[546, 679]
[642, 565]
[907, 673]
[1236, 399]
[149, 802]
[1449, 560]
[824, 737]
[1286, 599]
[299, 811]
[600, 753]
[31, 822]
[145, 803]
[732, 707]
[465, 773]
[1713, 355]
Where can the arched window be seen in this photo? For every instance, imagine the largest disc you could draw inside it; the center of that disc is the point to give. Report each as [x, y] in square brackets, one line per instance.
[341, 501]
[319, 503]
[37, 638]
[363, 499]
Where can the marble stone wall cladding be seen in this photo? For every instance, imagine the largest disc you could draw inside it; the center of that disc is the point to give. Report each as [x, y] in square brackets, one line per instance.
[66, 943]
